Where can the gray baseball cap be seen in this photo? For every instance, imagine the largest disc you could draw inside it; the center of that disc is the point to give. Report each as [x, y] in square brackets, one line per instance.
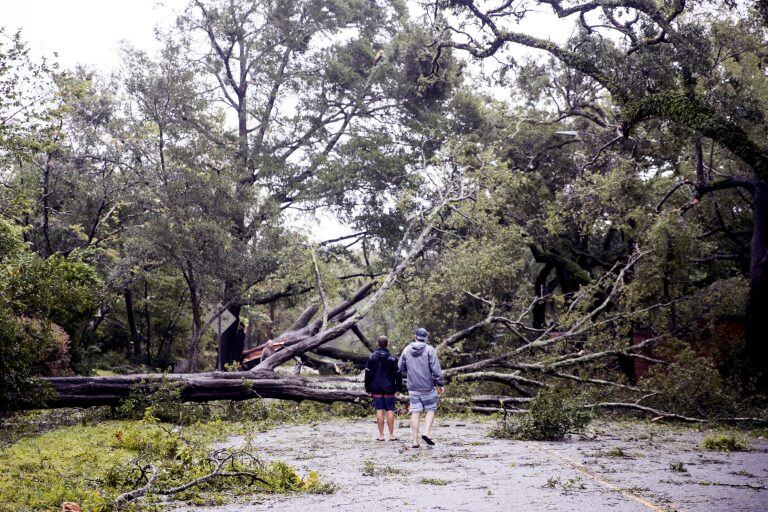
[421, 334]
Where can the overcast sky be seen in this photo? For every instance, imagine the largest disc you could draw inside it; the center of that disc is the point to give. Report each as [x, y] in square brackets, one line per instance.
[87, 31]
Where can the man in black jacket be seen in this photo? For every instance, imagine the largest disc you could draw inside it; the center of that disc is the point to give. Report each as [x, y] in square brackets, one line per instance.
[382, 381]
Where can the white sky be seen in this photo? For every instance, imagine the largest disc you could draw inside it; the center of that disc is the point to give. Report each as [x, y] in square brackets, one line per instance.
[87, 31]
[90, 31]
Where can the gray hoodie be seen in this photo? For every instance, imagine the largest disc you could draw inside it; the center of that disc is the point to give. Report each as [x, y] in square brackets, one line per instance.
[423, 367]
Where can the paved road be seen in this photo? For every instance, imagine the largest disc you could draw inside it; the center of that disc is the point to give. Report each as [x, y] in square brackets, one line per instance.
[468, 471]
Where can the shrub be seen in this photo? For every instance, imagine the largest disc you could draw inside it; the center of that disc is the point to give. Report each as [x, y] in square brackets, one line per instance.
[725, 443]
[162, 401]
[42, 301]
[56, 288]
[28, 348]
[617, 452]
[550, 417]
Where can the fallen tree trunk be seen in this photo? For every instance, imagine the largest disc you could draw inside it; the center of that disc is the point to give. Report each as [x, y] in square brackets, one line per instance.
[205, 387]
[194, 387]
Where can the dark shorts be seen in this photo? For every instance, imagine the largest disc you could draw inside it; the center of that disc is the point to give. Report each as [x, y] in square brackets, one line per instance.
[386, 403]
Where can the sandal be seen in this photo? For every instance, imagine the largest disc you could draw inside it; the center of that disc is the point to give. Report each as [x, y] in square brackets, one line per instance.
[394, 439]
[414, 446]
[428, 441]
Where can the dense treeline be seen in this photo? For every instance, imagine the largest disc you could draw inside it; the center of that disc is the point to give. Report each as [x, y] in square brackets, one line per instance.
[613, 192]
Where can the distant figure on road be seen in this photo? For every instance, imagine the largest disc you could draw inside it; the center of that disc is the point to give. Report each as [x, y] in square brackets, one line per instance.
[420, 361]
[382, 381]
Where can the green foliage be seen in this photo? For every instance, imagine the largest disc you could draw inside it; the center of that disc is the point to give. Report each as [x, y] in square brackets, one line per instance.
[433, 481]
[23, 113]
[677, 467]
[689, 384]
[91, 465]
[370, 468]
[162, 401]
[569, 485]
[68, 464]
[142, 184]
[43, 304]
[58, 289]
[552, 415]
[616, 451]
[25, 345]
[725, 443]
[11, 241]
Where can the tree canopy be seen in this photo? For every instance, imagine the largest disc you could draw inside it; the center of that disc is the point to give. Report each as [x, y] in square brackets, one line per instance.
[558, 213]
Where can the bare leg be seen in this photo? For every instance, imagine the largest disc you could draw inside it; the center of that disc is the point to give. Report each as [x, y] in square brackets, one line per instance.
[428, 419]
[415, 428]
[380, 423]
[390, 424]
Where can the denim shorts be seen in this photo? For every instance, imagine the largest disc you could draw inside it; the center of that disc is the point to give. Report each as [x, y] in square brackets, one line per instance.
[425, 402]
[386, 403]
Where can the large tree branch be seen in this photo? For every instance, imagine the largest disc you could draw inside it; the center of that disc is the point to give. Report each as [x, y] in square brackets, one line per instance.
[680, 108]
[325, 335]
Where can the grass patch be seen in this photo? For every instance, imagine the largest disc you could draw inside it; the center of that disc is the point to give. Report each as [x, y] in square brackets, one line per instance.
[572, 484]
[371, 469]
[433, 481]
[725, 443]
[677, 467]
[69, 464]
[93, 464]
[616, 451]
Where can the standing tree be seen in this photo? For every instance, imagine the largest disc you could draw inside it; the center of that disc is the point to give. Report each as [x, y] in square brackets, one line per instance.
[255, 126]
[657, 63]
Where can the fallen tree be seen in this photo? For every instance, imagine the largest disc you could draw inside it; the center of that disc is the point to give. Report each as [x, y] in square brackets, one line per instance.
[304, 336]
[192, 387]
[536, 360]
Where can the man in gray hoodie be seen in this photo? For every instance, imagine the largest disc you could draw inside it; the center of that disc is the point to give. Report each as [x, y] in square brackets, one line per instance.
[420, 362]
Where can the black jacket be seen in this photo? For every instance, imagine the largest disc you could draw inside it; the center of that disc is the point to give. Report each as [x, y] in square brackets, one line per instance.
[381, 374]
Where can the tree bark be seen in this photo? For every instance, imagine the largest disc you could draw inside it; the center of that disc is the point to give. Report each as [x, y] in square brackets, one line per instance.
[199, 387]
[757, 304]
[539, 311]
[135, 337]
[197, 323]
[227, 340]
[148, 325]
